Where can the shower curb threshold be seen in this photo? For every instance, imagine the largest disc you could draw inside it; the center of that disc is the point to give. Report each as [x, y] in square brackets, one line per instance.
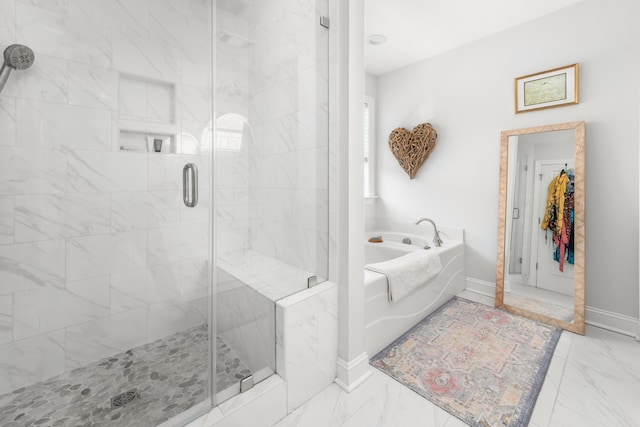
[258, 402]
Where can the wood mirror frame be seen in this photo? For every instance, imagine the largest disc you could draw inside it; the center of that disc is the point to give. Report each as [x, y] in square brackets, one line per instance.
[577, 324]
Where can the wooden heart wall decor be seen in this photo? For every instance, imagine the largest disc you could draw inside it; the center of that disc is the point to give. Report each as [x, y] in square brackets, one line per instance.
[411, 149]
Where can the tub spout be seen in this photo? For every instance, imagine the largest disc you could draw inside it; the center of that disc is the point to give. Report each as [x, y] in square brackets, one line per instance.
[436, 235]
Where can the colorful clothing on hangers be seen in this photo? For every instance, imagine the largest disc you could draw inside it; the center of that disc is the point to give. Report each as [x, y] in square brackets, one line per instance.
[554, 212]
[559, 215]
[567, 229]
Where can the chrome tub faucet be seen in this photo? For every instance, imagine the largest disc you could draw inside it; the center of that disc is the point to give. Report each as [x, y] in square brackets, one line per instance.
[436, 235]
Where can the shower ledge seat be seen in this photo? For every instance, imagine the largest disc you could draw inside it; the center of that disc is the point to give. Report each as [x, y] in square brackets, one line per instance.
[270, 277]
[316, 308]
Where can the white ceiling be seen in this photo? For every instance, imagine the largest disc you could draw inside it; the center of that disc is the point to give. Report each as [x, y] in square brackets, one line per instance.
[419, 29]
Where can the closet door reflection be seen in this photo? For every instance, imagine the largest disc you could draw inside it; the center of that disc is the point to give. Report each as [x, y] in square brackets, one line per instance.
[540, 268]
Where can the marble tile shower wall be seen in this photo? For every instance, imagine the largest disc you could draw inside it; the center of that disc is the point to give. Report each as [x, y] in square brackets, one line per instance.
[232, 166]
[273, 191]
[97, 252]
[289, 109]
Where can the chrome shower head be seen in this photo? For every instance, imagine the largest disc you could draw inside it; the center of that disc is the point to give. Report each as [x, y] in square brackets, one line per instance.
[16, 57]
[19, 57]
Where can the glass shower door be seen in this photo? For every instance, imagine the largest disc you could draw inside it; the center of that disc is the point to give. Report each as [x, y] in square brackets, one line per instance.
[105, 257]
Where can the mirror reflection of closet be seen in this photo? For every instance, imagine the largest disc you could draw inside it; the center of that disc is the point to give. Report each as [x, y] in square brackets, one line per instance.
[540, 272]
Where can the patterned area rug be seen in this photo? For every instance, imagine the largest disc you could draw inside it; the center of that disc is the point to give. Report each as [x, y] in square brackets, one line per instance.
[483, 365]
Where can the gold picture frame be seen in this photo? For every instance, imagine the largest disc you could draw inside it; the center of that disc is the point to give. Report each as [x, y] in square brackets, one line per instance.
[547, 89]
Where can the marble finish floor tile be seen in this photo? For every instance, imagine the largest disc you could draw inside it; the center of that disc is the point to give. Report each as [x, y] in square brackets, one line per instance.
[379, 401]
[593, 380]
[170, 375]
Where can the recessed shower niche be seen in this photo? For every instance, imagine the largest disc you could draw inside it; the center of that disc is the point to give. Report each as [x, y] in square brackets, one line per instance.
[146, 100]
[146, 115]
[146, 141]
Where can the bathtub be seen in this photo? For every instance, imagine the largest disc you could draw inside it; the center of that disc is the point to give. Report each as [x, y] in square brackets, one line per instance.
[384, 321]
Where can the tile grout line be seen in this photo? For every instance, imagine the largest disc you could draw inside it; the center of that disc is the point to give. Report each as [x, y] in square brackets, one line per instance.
[564, 366]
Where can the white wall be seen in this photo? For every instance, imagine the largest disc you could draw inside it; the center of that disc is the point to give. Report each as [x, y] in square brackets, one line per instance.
[370, 89]
[346, 210]
[370, 85]
[467, 94]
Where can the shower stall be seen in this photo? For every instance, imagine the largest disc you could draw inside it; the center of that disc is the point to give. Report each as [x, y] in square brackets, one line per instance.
[163, 184]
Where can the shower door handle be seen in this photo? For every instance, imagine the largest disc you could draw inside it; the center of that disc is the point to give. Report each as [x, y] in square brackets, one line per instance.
[190, 185]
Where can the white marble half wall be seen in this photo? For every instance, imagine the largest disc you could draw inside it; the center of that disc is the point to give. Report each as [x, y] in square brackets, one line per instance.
[307, 329]
[307, 342]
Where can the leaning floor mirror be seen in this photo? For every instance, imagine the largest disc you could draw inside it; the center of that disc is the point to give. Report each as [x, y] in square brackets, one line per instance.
[540, 263]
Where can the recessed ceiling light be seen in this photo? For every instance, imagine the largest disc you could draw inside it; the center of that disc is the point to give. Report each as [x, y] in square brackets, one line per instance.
[376, 39]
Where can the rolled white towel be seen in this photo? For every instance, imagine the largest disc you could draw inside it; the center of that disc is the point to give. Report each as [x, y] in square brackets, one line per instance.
[408, 272]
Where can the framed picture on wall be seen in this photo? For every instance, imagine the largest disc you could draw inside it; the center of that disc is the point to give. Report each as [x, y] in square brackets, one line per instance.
[547, 89]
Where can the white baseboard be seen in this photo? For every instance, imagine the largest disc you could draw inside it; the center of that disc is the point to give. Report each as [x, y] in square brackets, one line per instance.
[620, 323]
[615, 322]
[351, 374]
[481, 287]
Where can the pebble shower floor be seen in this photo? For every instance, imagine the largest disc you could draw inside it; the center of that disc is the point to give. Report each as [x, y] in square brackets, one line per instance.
[166, 377]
